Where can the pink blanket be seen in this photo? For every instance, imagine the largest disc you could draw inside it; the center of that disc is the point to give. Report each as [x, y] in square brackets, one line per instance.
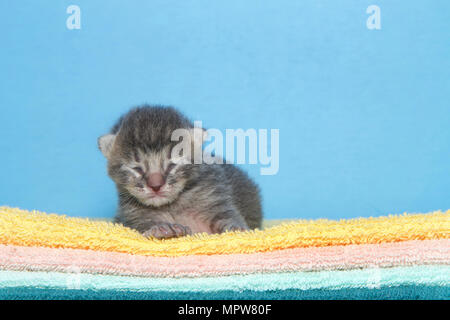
[298, 259]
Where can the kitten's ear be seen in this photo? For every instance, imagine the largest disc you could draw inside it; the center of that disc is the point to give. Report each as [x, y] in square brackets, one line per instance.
[105, 144]
[198, 136]
[205, 135]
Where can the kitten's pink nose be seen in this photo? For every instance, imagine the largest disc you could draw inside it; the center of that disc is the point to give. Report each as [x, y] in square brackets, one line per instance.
[155, 181]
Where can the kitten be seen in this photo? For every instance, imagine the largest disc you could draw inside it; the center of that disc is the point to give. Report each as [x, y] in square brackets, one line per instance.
[164, 198]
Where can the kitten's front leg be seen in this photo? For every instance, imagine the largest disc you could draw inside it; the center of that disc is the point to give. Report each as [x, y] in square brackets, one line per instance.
[150, 224]
[228, 220]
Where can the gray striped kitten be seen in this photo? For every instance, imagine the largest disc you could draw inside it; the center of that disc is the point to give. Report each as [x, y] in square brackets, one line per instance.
[163, 198]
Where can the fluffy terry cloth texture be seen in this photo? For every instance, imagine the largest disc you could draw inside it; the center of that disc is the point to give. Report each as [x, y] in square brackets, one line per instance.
[22, 228]
[56, 257]
[331, 280]
[410, 292]
[406, 253]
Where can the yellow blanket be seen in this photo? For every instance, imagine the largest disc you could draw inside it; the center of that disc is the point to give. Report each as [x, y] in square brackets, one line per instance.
[25, 228]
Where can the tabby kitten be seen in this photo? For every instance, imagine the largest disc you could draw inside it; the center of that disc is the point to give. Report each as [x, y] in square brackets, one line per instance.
[164, 198]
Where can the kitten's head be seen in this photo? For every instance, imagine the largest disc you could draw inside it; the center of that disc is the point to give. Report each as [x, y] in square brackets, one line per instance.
[139, 150]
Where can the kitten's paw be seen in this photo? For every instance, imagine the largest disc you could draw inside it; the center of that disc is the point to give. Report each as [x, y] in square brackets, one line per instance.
[167, 230]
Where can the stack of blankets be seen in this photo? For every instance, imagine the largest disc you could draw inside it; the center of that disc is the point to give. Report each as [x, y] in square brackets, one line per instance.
[49, 256]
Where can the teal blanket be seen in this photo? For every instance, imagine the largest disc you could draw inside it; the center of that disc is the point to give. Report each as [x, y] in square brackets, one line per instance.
[414, 282]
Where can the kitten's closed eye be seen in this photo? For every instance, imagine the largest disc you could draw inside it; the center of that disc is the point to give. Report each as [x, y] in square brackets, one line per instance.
[139, 170]
[170, 167]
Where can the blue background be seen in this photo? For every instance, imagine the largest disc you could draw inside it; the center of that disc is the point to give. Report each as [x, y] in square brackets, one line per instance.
[364, 115]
